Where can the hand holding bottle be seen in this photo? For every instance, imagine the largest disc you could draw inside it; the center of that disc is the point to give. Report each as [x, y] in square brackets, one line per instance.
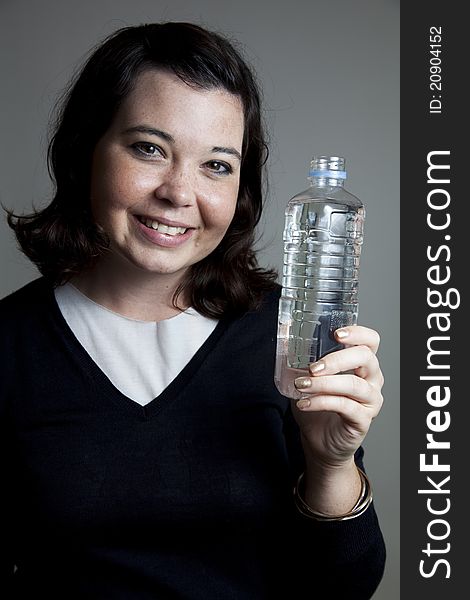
[340, 397]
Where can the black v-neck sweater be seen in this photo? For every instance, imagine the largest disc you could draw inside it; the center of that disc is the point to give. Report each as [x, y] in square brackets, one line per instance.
[187, 497]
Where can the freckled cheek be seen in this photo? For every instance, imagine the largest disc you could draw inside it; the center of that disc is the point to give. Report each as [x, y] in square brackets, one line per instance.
[117, 189]
[218, 213]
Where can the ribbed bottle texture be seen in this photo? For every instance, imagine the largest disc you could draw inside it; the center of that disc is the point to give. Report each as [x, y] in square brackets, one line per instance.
[323, 237]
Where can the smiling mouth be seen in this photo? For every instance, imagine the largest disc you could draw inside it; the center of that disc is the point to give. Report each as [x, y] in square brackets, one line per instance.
[157, 226]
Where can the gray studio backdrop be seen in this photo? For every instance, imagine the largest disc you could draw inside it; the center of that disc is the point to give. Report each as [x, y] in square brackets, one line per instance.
[330, 76]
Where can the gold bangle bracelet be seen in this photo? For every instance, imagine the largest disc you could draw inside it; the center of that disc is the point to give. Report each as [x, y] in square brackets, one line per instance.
[362, 504]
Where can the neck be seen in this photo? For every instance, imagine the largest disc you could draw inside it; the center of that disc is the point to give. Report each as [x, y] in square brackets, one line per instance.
[131, 292]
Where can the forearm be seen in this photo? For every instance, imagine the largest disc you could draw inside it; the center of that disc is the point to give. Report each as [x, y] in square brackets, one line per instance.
[352, 554]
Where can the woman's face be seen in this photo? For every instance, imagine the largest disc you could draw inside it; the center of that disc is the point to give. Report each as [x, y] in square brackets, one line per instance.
[165, 176]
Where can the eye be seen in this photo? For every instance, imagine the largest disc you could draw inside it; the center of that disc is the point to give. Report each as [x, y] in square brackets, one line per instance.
[146, 149]
[219, 167]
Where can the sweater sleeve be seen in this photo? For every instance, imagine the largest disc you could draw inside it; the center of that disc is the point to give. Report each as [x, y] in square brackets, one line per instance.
[7, 539]
[8, 533]
[350, 554]
[7, 553]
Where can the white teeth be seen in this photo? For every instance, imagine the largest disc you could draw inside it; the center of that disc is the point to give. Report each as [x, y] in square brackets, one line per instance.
[161, 227]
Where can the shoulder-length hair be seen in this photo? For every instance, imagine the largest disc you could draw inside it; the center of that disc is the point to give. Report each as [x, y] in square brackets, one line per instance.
[62, 239]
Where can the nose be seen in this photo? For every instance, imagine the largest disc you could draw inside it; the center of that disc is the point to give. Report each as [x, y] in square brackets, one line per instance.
[177, 187]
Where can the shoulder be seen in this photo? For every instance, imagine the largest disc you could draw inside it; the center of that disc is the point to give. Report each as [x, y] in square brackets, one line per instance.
[269, 302]
[27, 300]
[261, 321]
[274, 294]
[22, 317]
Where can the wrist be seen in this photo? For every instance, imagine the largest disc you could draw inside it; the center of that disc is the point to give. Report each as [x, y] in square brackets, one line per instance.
[326, 469]
[362, 503]
[326, 464]
[331, 489]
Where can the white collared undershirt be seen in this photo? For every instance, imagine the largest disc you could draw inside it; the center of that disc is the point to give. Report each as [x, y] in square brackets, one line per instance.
[140, 358]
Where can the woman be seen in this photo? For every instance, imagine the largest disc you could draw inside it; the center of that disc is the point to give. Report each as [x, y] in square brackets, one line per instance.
[147, 453]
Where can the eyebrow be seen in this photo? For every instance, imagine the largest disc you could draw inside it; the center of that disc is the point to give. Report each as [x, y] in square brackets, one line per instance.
[150, 131]
[230, 151]
[169, 138]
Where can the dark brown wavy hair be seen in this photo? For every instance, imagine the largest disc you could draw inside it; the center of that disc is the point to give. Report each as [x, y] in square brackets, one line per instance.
[62, 239]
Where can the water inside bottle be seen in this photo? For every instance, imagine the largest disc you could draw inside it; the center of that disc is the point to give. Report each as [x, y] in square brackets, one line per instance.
[322, 245]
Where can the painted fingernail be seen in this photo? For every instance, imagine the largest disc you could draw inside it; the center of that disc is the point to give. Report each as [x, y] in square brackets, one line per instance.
[317, 367]
[302, 383]
[304, 403]
[342, 333]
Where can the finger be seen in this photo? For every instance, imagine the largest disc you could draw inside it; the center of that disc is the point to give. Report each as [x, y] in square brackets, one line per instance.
[354, 358]
[350, 386]
[346, 408]
[358, 334]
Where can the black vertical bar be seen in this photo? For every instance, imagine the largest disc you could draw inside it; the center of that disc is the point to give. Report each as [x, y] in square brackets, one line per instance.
[435, 357]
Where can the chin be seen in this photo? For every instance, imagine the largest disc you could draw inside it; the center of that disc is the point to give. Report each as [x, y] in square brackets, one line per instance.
[159, 268]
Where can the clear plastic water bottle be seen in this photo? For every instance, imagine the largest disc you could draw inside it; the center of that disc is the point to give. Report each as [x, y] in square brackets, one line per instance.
[323, 237]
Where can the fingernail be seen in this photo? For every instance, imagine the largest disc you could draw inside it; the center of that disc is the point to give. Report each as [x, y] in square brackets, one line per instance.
[304, 403]
[302, 383]
[317, 367]
[342, 333]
